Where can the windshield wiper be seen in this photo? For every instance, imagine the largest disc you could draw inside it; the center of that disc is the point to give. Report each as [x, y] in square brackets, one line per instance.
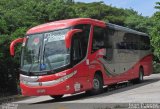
[39, 53]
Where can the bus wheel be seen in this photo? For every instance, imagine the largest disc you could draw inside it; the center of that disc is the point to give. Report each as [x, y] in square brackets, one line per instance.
[141, 74]
[140, 77]
[56, 97]
[97, 85]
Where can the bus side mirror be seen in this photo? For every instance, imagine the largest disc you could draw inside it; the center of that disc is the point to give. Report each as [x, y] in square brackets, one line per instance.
[69, 36]
[12, 45]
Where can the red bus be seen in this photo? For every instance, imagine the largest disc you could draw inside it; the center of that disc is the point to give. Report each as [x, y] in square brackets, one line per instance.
[82, 54]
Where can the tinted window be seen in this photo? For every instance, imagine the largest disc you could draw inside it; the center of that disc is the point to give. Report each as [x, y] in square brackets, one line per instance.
[108, 38]
[108, 43]
[84, 36]
[80, 43]
[132, 41]
[98, 38]
[144, 43]
[77, 48]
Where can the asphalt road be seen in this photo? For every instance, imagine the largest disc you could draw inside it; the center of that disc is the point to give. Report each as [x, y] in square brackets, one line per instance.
[119, 97]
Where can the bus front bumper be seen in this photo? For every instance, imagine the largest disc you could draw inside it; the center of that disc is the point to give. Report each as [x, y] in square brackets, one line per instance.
[66, 87]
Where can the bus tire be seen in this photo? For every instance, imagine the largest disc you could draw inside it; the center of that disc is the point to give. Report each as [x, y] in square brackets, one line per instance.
[56, 97]
[97, 85]
[140, 77]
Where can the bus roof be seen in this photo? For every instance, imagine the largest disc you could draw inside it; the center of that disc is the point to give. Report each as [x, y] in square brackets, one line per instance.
[117, 27]
[61, 24]
[64, 24]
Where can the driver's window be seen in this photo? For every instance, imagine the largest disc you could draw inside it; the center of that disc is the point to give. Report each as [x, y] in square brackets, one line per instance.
[80, 43]
[77, 48]
[77, 52]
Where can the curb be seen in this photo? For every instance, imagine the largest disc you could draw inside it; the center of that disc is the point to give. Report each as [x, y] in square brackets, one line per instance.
[12, 98]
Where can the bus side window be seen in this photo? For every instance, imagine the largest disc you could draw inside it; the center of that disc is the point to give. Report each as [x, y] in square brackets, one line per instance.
[108, 43]
[98, 38]
[144, 43]
[130, 42]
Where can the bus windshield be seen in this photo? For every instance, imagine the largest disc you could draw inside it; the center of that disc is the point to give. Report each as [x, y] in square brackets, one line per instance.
[45, 51]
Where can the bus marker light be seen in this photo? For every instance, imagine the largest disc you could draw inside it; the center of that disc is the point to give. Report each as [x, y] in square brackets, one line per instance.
[67, 87]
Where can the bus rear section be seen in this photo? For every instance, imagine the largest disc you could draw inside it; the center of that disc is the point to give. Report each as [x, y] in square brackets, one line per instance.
[126, 53]
[75, 55]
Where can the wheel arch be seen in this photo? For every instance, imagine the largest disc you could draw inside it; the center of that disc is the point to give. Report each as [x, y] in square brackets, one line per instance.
[141, 68]
[99, 72]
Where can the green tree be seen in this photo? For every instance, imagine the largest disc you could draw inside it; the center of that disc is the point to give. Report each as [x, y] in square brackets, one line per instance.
[156, 31]
[139, 23]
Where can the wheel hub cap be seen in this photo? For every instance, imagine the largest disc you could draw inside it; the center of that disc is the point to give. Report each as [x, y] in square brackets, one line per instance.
[96, 84]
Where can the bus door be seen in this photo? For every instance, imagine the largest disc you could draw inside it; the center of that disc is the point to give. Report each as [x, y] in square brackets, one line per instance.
[79, 46]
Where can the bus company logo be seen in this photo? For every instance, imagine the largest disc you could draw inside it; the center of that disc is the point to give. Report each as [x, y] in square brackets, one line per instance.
[9, 106]
[61, 74]
[36, 41]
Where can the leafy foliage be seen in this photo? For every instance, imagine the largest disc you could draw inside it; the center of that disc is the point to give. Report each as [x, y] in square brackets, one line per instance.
[156, 31]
